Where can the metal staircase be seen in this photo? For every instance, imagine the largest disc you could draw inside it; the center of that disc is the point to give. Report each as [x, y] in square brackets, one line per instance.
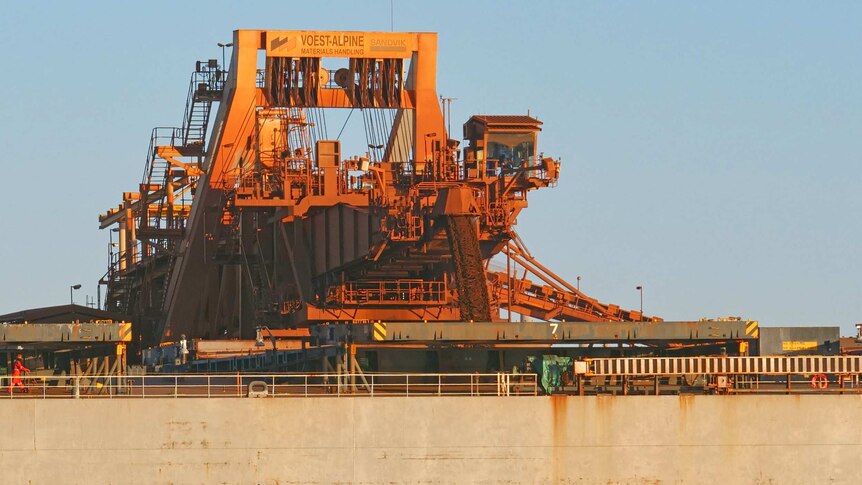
[206, 87]
[174, 158]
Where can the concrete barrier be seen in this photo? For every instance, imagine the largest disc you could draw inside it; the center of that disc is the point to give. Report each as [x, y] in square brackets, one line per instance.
[429, 440]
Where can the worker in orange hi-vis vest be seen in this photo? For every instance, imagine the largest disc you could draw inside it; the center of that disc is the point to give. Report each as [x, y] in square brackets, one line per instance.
[16, 375]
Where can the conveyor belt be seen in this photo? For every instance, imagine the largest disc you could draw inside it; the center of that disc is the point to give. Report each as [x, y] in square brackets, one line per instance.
[469, 272]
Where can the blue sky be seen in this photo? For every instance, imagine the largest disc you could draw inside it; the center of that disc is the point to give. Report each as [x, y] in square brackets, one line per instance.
[711, 152]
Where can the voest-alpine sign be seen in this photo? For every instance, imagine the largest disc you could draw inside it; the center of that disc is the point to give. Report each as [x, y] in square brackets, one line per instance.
[303, 43]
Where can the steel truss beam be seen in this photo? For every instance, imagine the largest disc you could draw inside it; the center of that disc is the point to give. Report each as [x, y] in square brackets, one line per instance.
[554, 332]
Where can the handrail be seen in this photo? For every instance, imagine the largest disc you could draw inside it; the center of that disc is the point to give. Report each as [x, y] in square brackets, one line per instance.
[370, 384]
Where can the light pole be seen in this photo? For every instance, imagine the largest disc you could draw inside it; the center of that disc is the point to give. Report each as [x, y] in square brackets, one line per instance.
[447, 111]
[374, 149]
[259, 343]
[71, 289]
[579, 283]
[641, 290]
[229, 44]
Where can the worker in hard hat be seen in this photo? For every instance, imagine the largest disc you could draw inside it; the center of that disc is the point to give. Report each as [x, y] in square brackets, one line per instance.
[17, 371]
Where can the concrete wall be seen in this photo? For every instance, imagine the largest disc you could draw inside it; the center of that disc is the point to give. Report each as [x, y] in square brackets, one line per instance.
[634, 439]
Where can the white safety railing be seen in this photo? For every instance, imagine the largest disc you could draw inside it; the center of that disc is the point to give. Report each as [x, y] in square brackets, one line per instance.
[269, 385]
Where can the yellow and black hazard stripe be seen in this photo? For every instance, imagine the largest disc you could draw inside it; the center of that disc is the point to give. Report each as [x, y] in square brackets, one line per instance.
[125, 332]
[379, 331]
[751, 329]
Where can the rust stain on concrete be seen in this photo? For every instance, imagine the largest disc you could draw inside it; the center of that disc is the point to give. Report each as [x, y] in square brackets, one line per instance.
[559, 408]
[686, 405]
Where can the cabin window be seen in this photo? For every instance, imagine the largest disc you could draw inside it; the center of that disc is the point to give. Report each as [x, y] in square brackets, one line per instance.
[511, 149]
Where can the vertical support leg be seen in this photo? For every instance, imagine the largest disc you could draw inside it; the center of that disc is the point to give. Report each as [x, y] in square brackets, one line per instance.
[327, 369]
[123, 368]
[345, 366]
[357, 370]
[112, 375]
[104, 373]
[88, 369]
[348, 363]
[354, 366]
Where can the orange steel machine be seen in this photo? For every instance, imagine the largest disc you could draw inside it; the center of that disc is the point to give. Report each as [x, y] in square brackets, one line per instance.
[263, 218]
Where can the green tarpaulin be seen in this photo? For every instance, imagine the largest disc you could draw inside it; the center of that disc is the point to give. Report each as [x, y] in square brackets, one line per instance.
[553, 368]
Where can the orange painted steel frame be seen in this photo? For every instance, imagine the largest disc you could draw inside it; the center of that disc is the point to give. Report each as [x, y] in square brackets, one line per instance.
[276, 237]
[242, 97]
